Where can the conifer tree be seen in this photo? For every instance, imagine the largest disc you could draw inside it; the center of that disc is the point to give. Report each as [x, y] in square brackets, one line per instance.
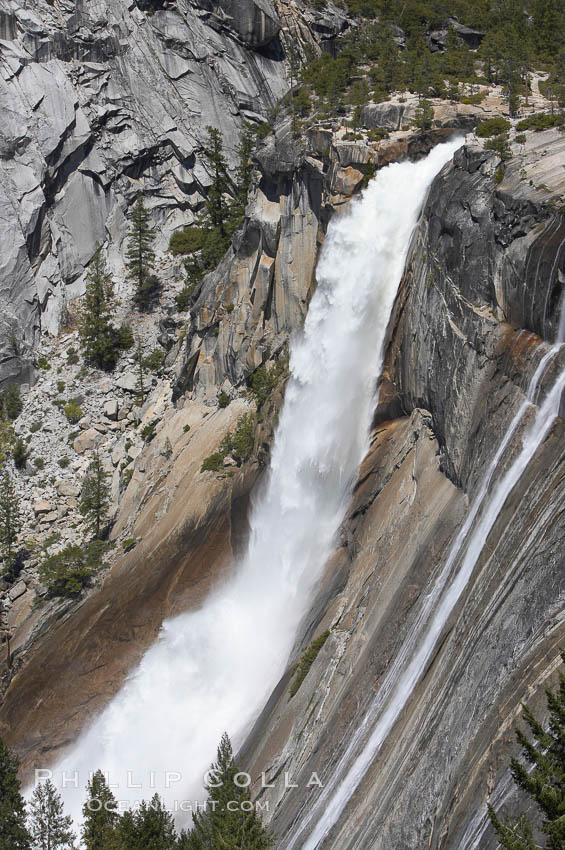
[95, 330]
[424, 116]
[49, 827]
[543, 780]
[150, 827]
[95, 498]
[226, 822]
[13, 831]
[10, 520]
[140, 255]
[100, 817]
[12, 401]
[217, 207]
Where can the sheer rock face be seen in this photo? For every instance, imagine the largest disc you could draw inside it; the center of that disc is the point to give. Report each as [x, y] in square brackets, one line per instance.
[255, 21]
[99, 102]
[476, 309]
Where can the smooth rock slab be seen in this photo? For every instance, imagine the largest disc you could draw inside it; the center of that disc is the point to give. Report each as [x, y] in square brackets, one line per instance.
[17, 590]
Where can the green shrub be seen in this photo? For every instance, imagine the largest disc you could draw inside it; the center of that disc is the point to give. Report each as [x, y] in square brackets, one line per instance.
[148, 432]
[306, 660]
[154, 361]
[69, 572]
[126, 477]
[72, 411]
[11, 401]
[186, 241]
[213, 463]
[499, 144]
[186, 429]
[63, 462]
[541, 121]
[184, 298]
[243, 438]
[223, 399]
[123, 337]
[499, 176]
[473, 99]
[19, 453]
[230, 308]
[492, 127]
[36, 426]
[377, 134]
[264, 130]
[128, 544]
[263, 381]
[60, 386]
[39, 463]
[43, 363]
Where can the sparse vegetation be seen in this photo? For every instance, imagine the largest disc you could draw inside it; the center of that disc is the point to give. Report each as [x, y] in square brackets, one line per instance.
[492, 127]
[73, 411]
[67, 573]
[307, 658]
[148, 432]
[263, 380]
[11, 404]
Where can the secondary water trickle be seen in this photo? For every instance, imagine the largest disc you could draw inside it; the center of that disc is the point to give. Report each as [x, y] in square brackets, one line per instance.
[211, 670]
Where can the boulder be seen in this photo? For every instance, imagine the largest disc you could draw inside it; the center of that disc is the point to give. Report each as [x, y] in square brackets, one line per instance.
[87, 441]
[42, 506]
[17, 590]
[111, 409]
[347, 181]
[67, 488]
[127, 382]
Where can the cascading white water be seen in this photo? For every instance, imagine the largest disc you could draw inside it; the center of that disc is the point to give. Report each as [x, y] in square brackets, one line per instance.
[211, 670]
[423, 634]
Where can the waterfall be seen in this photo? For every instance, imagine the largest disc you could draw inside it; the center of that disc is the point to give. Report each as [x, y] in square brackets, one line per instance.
[212, 669]
[435, 610]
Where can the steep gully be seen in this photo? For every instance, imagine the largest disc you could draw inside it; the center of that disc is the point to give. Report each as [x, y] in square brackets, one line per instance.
[214, 668]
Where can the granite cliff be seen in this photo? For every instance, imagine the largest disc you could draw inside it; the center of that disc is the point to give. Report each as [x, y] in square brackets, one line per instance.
[90, 124]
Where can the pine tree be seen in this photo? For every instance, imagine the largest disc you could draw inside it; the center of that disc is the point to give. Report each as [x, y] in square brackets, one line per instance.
[543, 780]
[13, 832]
[95, 498]
[100, 817]
[49, 827]
[12, 401]
[140, 255]
[19, 453]
[217, 207]
[150, 827]
[424, 116]
[10, 520]
[95, 330]
[226, 823]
